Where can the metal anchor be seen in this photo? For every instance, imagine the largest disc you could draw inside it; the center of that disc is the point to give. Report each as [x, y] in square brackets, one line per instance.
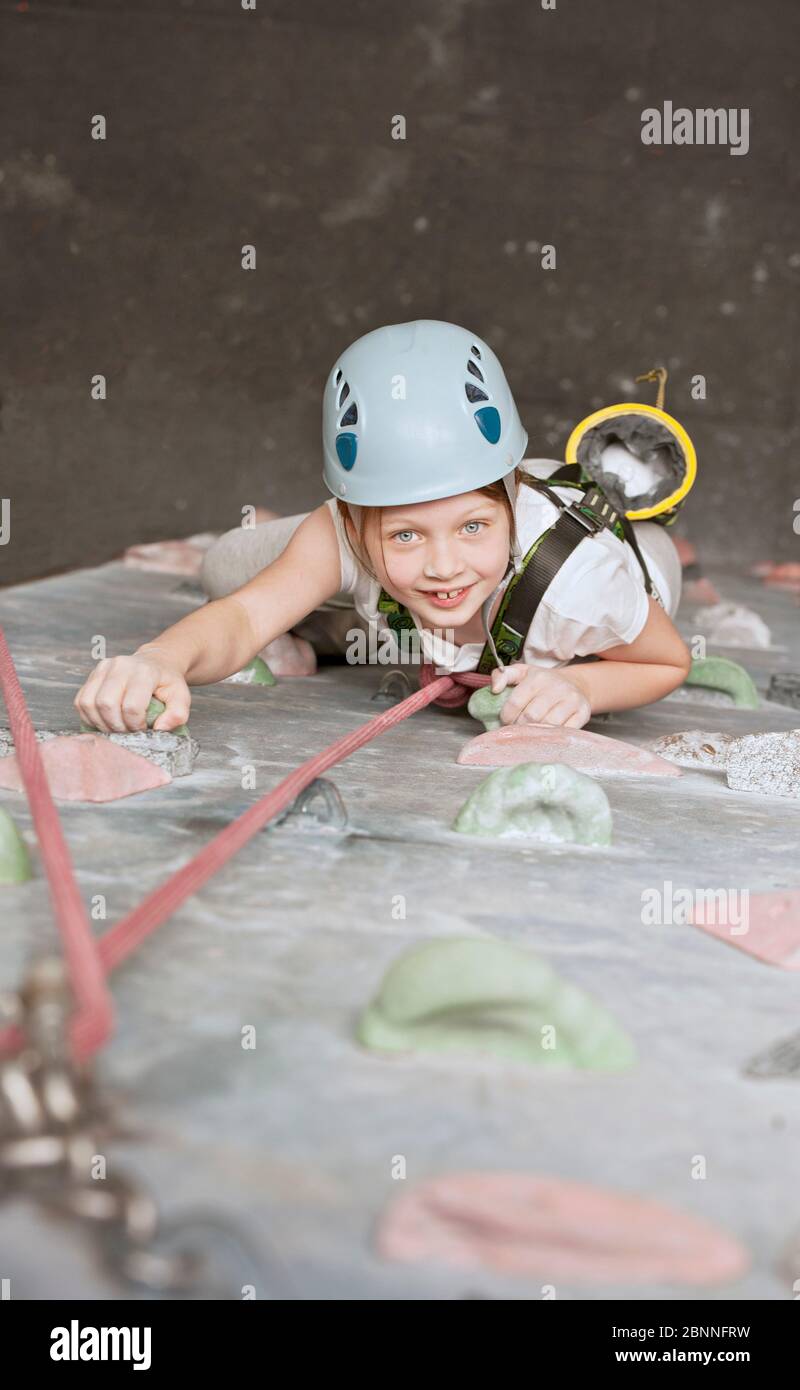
[318, 807]
[394, 687]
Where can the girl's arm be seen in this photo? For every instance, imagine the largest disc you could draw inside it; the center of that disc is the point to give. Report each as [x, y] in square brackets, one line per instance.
[636, 673]
[226, 633]
[218, 639]
[632, 674]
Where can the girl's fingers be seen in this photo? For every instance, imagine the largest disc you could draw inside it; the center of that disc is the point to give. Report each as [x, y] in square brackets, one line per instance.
[105, 711]
[175, 695]
[525, 691]
[508, 675]
[135, 698]
[539, 711]
[85, 701]
[560, 713]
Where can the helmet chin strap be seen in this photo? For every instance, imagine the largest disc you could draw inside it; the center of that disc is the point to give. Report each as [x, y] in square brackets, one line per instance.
[514, 567]
[516, 553]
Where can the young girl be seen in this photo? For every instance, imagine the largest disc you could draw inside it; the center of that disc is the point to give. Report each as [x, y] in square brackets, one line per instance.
[433, 509]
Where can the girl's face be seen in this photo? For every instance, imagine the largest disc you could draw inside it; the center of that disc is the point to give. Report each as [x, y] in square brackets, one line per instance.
[442, 557]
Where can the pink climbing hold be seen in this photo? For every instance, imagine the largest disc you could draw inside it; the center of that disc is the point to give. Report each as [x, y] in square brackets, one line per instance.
[171, 557]
[182, 556]
[700, 591]
[551, 1229]
[768, 928]
[88, 767]
[553, 743]
[785, 576]
[686, 551]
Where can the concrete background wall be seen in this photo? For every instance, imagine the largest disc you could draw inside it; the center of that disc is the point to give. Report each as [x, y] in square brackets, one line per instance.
[227, 127]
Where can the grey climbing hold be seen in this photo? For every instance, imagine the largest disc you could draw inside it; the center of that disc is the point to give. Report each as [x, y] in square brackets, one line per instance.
[174, 753]
[485, 706]
[15, 864]
[538, 801]
[318, 807]
[784, 689]
[694, 748]
[779, 1059]
[256, 672]
[394, 687]
[154, 709]
[720, 674]
[768, 763]
[478, 994]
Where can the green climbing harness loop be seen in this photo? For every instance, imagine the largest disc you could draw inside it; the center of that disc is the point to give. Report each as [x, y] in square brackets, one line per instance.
[397, 616]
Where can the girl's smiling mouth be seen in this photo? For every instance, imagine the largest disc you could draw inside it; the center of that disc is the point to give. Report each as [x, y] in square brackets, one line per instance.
[446, 598]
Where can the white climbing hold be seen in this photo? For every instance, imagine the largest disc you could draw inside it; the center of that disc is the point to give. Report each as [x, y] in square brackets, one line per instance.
[766, 763]
[733, 625]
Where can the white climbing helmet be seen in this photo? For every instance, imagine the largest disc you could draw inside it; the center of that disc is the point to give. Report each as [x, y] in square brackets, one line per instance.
[417, 411]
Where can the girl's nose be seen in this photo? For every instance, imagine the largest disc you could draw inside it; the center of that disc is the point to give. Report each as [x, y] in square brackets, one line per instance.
[443, 562]
[443, 571]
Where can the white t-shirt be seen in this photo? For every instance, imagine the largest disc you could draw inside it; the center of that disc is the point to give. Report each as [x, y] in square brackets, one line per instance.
[597, 599]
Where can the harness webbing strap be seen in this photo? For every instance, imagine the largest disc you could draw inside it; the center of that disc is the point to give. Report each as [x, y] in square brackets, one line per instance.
[586, 516]
[537, 577]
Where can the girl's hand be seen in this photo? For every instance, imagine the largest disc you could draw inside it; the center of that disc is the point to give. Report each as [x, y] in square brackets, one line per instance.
[541, 697]
[115, 697]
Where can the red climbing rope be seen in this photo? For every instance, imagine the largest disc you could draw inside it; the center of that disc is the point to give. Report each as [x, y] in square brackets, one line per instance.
[95, 1009]
[89, 960]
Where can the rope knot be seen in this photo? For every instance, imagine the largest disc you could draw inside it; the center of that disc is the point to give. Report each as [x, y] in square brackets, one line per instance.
[464, 682]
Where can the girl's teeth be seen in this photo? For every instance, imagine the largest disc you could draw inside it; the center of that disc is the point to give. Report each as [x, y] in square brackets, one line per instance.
[447, 593]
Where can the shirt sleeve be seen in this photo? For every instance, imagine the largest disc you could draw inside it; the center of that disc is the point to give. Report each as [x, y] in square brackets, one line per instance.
[596, 601]
[349, 574]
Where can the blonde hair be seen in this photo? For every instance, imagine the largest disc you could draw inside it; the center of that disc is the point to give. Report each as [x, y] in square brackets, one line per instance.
[369, 515]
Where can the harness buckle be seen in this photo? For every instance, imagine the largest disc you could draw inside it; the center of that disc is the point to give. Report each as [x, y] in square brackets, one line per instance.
[592, 524]
[601, 512]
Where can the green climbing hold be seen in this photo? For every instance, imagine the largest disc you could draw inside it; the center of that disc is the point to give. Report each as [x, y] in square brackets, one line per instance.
[261, 672]
[485, 706]
[478, 994]
[718, 673]
[15, 864]
[540, 801]
[154, 709]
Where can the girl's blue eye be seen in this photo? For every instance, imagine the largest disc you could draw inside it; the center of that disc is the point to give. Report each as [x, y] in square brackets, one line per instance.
[400, 534]
[473, 523]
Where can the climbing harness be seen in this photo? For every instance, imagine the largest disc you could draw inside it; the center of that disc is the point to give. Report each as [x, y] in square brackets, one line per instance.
[53, 1122]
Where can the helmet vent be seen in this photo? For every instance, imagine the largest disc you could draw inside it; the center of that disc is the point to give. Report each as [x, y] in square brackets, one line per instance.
[346, 449]
[343, 394]
[350, 416]
[488, 421]
[475, 352]
[474, 393]
[338, 377]
[476, 371]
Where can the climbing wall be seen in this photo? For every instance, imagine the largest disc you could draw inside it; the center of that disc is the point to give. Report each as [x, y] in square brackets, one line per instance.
[256, 1096]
